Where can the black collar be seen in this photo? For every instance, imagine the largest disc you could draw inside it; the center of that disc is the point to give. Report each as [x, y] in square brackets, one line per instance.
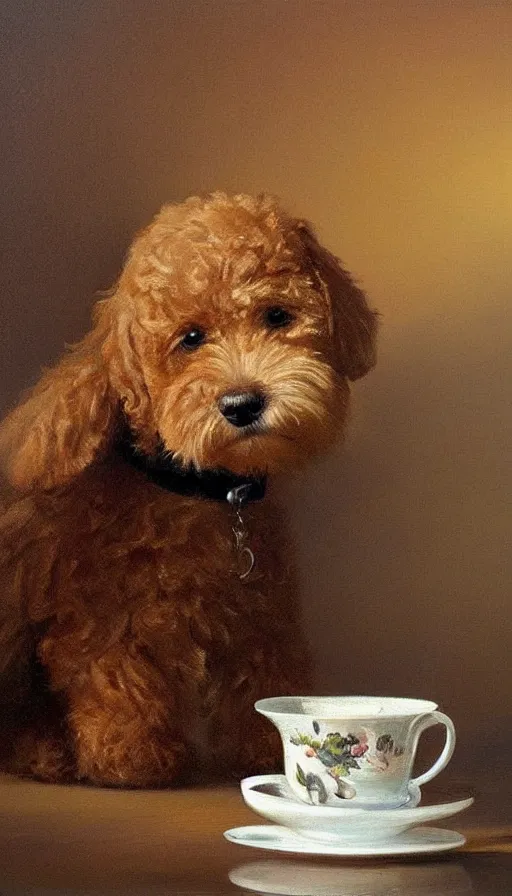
[213, 485]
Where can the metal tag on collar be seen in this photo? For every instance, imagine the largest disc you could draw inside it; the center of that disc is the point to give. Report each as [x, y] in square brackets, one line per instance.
[239, 495]
[246, 560]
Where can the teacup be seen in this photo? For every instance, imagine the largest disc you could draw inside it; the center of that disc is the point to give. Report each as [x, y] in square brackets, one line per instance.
[356, 751]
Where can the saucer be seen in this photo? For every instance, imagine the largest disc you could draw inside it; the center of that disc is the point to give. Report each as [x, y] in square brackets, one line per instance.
[271, 797]
[412, 842]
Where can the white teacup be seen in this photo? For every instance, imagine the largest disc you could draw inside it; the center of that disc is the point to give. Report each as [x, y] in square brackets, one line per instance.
[355, 751]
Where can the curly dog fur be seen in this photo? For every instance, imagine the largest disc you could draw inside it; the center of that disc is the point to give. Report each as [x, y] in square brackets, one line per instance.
[128, 644]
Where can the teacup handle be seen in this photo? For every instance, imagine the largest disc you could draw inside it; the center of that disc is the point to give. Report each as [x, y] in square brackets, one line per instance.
[437, 718]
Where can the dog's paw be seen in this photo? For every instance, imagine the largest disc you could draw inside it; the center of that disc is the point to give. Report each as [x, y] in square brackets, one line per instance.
[43, 757]
[150, 764]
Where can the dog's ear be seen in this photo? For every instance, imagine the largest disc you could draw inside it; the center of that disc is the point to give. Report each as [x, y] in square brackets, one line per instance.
[66, 421]
[354, 323]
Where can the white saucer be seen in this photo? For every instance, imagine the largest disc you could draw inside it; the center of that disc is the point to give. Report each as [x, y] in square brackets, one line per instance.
[271, 797]
[413, 842]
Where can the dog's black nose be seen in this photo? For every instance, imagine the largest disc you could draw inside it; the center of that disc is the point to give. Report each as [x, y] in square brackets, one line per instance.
[242, 408]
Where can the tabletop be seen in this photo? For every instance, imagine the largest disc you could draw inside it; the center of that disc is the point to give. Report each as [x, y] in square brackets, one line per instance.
[85, 840]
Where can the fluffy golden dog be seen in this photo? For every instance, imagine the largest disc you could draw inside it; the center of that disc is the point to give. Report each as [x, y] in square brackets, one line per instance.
[146, 599]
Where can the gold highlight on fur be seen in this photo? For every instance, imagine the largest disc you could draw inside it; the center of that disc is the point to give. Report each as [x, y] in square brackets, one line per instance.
[130, 650]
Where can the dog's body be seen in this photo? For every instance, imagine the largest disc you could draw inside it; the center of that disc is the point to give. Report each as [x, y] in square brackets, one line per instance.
[134, 634]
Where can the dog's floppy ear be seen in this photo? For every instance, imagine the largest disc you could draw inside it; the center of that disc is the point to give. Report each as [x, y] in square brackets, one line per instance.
[354, 323]
[66, 421]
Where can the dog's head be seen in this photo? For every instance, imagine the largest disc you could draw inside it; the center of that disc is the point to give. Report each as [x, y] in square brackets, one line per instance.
[230, 338]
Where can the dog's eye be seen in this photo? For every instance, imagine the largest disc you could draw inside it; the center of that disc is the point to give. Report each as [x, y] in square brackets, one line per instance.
[277, 317]
[193, 339]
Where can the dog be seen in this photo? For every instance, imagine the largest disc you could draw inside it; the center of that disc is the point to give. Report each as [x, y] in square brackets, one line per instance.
[147, 596]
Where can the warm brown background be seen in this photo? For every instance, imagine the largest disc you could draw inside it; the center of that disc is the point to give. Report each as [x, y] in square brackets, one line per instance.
[389, 124]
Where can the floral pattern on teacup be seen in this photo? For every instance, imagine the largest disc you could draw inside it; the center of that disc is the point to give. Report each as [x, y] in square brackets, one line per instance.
[340, 755]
